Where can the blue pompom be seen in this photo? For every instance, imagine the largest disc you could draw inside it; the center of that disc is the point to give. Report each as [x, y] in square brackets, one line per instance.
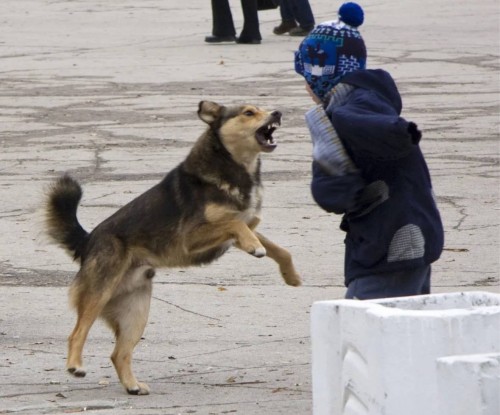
[351, 14]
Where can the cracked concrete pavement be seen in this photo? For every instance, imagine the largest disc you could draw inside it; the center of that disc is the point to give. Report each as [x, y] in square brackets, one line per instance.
[109, 90]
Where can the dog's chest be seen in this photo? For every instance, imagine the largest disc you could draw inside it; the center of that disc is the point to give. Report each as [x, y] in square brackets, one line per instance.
[253, 204]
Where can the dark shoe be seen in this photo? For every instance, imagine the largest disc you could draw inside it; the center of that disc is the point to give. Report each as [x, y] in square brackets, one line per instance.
[220, 39]
[284, 27]
[300, 31]
[248, 41]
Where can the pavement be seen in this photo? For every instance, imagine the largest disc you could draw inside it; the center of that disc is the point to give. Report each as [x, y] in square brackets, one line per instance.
[108, 91]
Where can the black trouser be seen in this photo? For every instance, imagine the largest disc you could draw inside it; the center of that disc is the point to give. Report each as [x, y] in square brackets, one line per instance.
[223, 20]
[397, 284]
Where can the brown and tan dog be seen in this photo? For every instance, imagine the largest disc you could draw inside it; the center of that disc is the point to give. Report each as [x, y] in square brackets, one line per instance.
[208, 203]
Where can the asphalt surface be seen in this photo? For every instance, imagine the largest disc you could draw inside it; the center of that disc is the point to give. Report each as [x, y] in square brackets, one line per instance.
[108, 91]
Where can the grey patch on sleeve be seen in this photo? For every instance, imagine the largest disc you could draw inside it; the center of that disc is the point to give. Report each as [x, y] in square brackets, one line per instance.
[408, 243]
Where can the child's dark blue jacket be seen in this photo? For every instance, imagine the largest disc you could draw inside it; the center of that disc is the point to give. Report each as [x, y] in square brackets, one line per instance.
[390, 216]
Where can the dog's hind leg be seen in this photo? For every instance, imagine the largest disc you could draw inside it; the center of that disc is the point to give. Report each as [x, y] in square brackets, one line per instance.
[283, 258]
[92, 288]
[88, 308]
[127, 314]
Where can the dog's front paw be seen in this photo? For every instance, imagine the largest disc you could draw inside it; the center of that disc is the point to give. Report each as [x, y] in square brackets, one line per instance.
[139, 389]
[292, 278]
[259, 252]
[294, 282]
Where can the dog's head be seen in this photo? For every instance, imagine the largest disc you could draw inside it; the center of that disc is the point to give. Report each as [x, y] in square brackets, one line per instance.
[244, 130]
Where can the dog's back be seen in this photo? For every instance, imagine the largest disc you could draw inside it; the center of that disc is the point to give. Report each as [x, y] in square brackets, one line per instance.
[159, 225]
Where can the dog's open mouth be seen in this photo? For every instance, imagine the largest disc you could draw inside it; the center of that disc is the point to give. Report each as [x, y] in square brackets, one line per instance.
[264, 135]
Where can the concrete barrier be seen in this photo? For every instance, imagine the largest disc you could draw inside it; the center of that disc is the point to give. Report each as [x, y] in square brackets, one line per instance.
[382, 356]
[469, 384]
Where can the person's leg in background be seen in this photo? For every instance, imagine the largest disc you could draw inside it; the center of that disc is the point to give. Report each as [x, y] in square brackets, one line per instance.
[222, 23]
[303, 14]
[287, 18]
[250, 32]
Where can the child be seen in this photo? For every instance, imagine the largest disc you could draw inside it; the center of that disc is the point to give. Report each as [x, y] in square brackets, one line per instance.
[367, 164]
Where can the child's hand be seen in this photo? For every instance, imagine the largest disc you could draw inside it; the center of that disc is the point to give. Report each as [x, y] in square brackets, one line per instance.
[312, 94]
[415, 133]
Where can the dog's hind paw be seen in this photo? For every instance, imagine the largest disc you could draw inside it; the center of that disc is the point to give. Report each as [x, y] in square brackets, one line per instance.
[78, 372]
[139, 389]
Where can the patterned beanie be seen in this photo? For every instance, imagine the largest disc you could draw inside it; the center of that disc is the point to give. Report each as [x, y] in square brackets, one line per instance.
[332, 50]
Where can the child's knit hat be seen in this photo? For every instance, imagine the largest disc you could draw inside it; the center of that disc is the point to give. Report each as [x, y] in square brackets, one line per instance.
[332, 50]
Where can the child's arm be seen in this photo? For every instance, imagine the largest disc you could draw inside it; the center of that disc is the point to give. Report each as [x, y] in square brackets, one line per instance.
[337, 194]
[336, 180]
[328, 150]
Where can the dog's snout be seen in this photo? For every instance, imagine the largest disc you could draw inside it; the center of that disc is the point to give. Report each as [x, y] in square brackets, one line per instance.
[276, 114]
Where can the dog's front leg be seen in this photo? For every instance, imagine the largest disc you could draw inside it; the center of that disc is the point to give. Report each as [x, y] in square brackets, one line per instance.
[215, 234]
[223, 226]
[246, 240]
[283, 258]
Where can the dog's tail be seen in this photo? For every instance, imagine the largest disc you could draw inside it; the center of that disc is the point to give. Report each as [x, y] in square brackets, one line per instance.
[62, 224]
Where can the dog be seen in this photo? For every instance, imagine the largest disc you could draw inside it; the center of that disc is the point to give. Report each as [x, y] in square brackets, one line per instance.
[211, 201]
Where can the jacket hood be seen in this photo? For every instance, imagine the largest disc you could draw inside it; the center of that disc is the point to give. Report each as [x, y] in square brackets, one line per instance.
[379, 81]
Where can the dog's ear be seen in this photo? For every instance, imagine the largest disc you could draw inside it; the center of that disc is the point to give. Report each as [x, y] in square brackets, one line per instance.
[209, 111]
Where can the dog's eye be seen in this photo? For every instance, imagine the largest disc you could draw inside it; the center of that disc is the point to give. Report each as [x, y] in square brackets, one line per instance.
[249, 113]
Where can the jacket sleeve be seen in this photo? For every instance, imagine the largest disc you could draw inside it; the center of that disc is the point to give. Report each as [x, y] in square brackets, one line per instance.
[328, 150]
[337, 194]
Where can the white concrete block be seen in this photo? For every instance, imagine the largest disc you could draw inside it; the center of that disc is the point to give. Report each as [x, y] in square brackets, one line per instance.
[469, 384]
[379, 357]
